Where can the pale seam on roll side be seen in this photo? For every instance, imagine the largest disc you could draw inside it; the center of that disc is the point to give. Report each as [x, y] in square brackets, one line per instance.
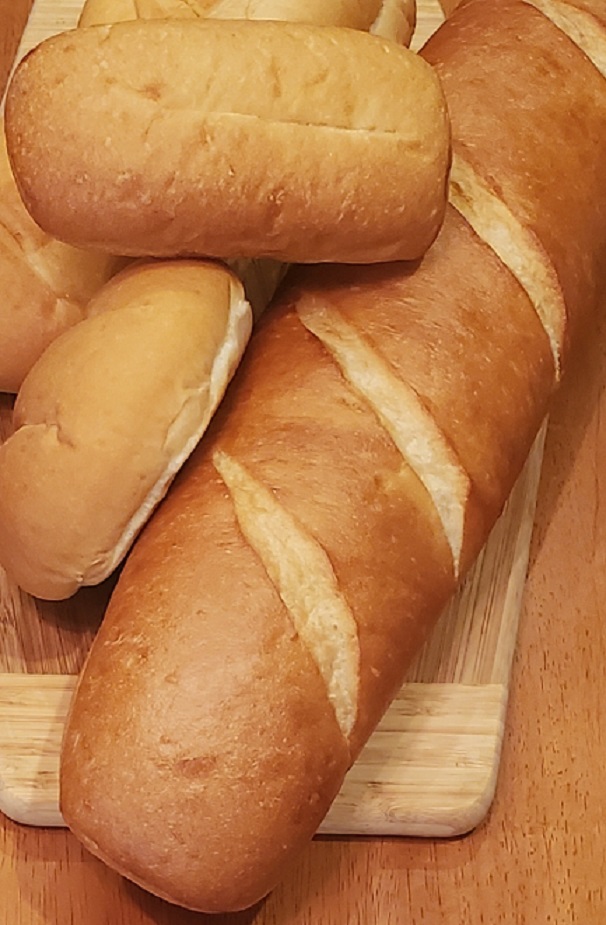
[401, 412]
[303, 576]
[238, 330]
[21, 248]
[515, 246]
[581, 27]
[260, 278]
[18, 245]
[395, 20]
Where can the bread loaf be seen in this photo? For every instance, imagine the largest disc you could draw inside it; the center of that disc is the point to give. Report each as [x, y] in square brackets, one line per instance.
[268, 612]
[393, 19]
[107, 415]
[536, 198]
[241, 139]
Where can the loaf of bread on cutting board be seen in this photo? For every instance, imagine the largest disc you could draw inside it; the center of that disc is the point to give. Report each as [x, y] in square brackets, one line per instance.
[267, 614]
[46, 283]
[231, 139]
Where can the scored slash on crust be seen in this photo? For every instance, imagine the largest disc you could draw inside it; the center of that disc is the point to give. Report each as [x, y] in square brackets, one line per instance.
[401, 412]
[579, 25]
[516, 247]
[301, 571]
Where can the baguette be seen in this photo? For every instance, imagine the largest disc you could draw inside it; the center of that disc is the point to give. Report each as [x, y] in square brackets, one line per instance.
[268, 613]
[319, 144]
[151, 363]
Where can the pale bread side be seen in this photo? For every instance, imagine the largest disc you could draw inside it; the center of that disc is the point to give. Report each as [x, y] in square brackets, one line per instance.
[108, 414]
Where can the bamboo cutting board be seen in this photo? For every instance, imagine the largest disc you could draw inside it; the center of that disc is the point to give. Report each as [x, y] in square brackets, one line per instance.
[431, 767]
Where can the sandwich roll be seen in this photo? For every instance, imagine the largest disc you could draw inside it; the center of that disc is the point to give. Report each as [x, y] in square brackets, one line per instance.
[46, 285]
[269, 610]
[231, 139]
[108, 414]
[393, 19]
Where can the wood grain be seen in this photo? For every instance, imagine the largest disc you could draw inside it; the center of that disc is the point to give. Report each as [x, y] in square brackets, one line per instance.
[539, 856]
[429, 768]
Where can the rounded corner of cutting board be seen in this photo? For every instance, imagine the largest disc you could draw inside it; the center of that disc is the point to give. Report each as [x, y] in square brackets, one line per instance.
[430, 769]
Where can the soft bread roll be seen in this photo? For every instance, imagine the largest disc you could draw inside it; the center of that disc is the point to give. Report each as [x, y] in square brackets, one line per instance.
[231, 139]
[394, 19]
[108, 414]
[45, 284]
[272, 605]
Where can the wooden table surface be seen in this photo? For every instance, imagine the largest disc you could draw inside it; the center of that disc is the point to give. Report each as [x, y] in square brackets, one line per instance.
[540, 856]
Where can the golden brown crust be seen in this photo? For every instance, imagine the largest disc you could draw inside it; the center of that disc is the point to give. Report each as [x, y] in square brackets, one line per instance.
[330, 145]
[300, 430]
[461, 332]
[212, 677]
[357, 515]
[464, 337]
[548, 181]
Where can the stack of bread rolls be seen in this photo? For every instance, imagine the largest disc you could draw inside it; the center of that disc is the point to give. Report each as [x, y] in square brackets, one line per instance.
[72, 445]
[269, 610]
[107, 415]
[47, 284]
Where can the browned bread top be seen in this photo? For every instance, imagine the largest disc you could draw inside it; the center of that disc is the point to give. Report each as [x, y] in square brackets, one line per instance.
[232, 139]
[545, 175]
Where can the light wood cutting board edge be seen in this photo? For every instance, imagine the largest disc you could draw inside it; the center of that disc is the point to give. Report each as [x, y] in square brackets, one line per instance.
[431, 767]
